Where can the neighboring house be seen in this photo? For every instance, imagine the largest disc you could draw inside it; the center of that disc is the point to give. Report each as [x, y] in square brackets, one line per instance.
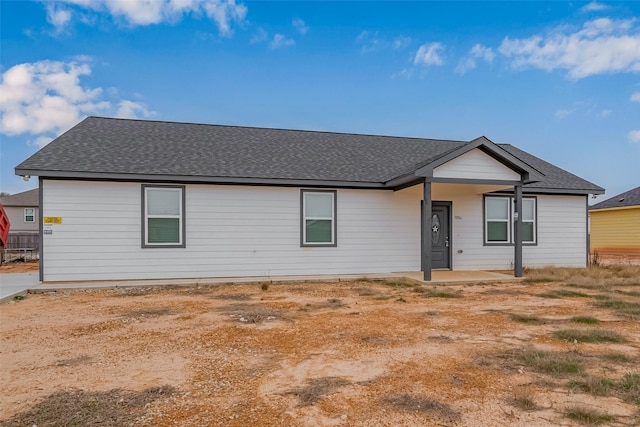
[23, 212]
[136, 199]
[615, 224]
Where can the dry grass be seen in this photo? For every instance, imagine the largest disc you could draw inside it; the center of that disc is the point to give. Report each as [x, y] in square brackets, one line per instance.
[551, 363]
[437, 292]
[587, 320]
[113, 408]
[617, 357]
[316, 389]
[587, 416]
[597, 386]
[524, 398]
[430, 406]
[595, 335]
[627, 388]
[563, 293]
[530, 320]
[247, 313]
[593, 277]
[622, 308]
[630, 388]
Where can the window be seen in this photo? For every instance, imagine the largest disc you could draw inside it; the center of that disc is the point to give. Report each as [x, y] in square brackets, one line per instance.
[318, 218]
[29, 215]
[499, 214]
[528, 220]
[497, 219]
[163, 216]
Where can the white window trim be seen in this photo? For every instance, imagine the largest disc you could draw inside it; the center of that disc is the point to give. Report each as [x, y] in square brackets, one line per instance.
[180, 217]
[533, 221]
[506, 220]
[32, 215]
[305, 218]
[510, 220]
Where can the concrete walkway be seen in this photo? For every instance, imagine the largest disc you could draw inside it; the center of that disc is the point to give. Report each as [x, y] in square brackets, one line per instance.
[12, 284]
[452, 277]
[19, 283]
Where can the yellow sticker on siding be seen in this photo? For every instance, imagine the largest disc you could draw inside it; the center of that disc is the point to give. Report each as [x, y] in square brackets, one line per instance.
[52, 220]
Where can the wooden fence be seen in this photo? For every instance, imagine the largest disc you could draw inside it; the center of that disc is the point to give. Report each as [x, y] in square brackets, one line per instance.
[23, 241]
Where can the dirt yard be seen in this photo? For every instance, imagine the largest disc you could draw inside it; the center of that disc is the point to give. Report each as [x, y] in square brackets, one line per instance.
[562, 348]
[19, 267]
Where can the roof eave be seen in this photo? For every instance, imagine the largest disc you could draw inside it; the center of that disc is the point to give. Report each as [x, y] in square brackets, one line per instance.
[613, 208]
[196, 179]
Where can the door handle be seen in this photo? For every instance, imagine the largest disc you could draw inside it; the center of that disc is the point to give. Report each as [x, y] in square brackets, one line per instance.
[446, 241]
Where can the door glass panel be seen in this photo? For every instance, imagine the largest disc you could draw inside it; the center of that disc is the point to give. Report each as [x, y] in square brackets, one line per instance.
[435, 229]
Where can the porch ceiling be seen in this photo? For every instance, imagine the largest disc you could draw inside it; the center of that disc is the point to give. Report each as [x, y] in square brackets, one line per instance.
[442, 191]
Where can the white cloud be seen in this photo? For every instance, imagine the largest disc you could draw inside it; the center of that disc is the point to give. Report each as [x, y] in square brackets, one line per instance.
[482, 52]
[299, 25]
[46, 98]
[594, 7]
[40, 141]
[604, 113]
[133, 110]
[634, 136]
[401, 42]
[602, 46]
[561, 114]
[147, 12]
[429, 54]
[635, 97]
[224, 13]
[371, 42]
[280, 40]
[58, 17]
[260, 36]
[584, 108]
[405, 73]
[477, 52]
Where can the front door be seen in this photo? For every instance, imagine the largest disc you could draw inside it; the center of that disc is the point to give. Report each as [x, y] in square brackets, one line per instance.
[440, 236]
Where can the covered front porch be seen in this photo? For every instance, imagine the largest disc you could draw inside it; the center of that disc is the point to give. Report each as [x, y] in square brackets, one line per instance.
[457, 192]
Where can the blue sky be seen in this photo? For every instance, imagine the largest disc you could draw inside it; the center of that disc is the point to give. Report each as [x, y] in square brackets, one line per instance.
[558, 79]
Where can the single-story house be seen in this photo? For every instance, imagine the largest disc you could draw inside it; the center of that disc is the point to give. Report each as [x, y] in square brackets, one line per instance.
[139, 199]
[23, 212]
[615, 224]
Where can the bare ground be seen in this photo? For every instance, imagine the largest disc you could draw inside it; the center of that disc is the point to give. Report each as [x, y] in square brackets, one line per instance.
[316, 354]
[19, 267]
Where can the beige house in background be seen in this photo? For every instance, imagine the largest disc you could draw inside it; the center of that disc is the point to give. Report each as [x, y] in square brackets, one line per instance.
[23, 212]
[615, 224]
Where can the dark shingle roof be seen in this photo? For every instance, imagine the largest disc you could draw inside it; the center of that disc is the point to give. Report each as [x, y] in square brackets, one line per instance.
[26, 198]
[626, 199]
[154, 148]
[184, 149]
[554, 177]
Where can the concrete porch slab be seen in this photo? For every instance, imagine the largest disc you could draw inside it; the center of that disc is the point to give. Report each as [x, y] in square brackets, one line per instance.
[452, 277]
